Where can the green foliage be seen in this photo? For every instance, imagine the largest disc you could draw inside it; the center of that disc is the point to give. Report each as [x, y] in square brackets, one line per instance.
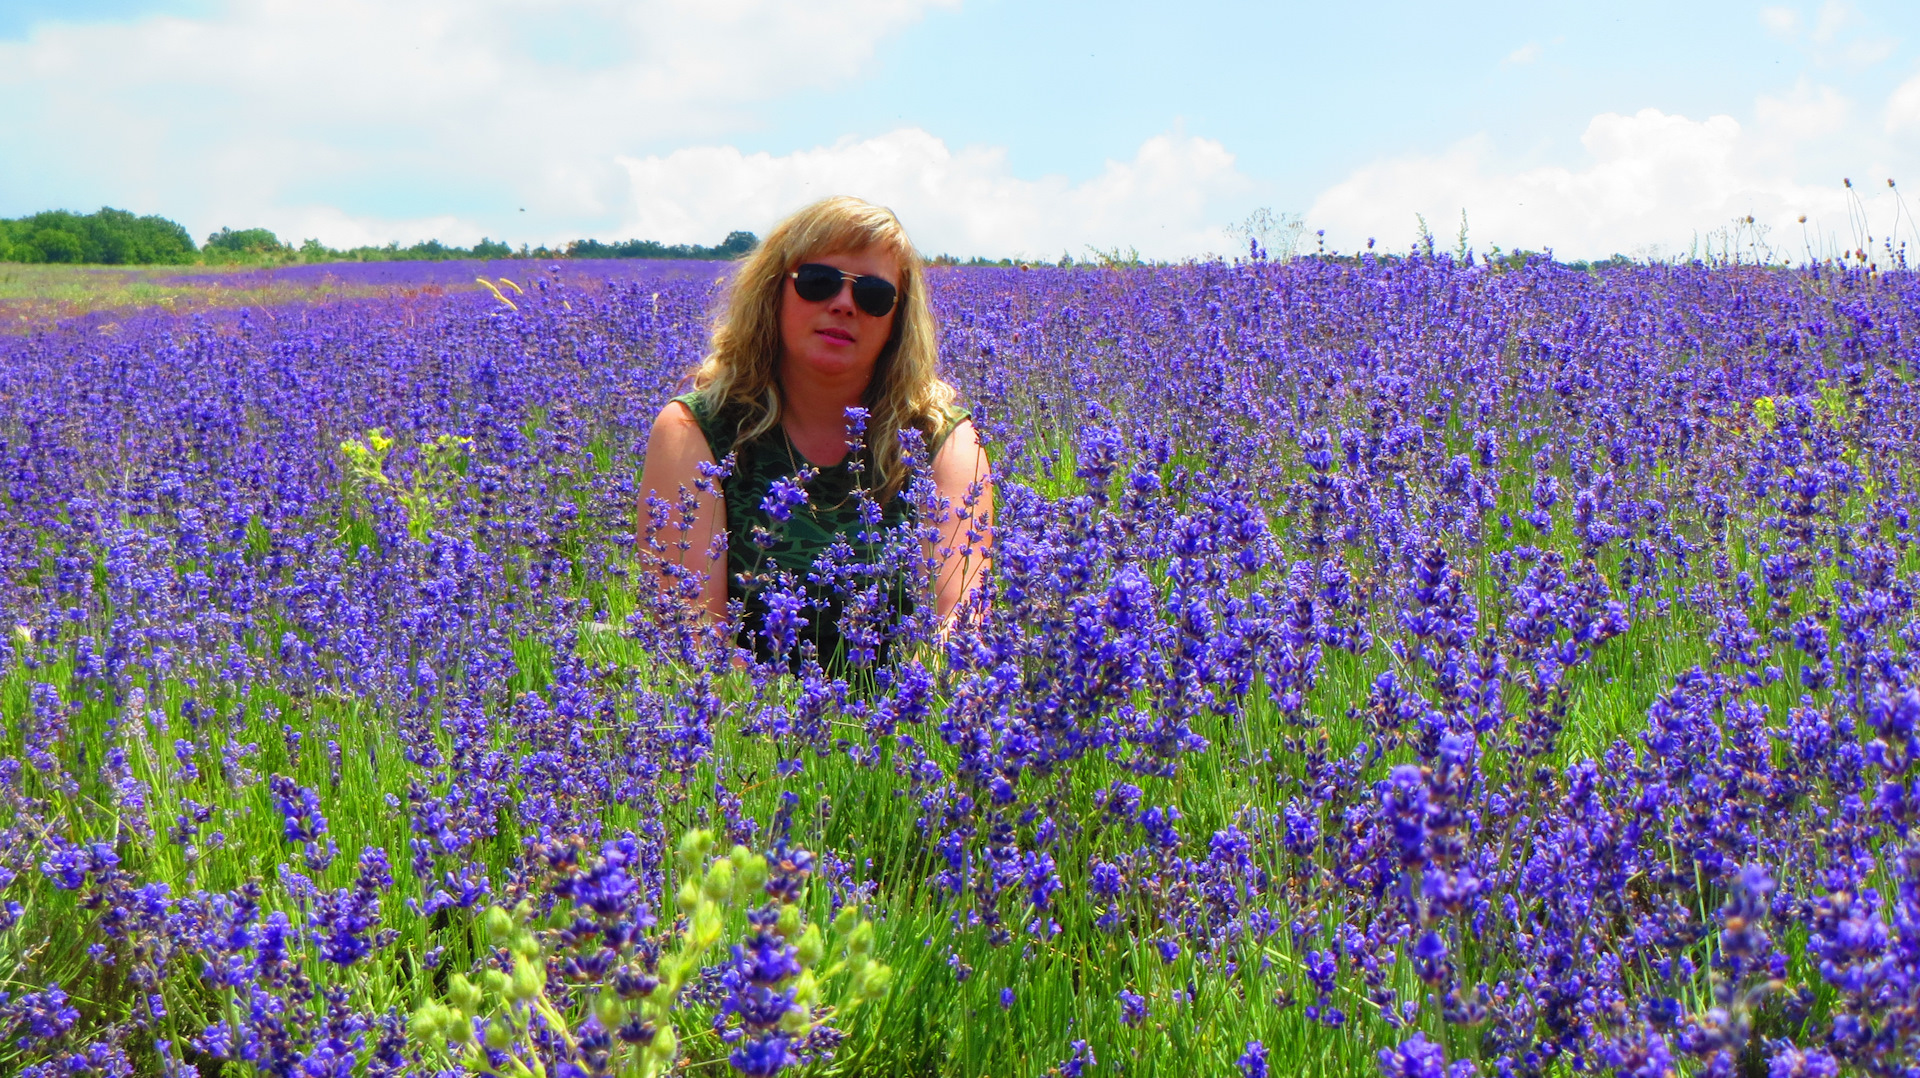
[1833, 403]
[512, 1005]
[250, 241]
[931, 1021]
[427, 251]
[313, 250]
[115, 238]
[1613, 261]
[441, 462]
[977, 261]
[1512, 260]
[107, 237]
[735, 245]
[1115, 257]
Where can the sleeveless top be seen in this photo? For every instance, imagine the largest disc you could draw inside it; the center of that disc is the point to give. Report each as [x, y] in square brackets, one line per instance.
[759, 546]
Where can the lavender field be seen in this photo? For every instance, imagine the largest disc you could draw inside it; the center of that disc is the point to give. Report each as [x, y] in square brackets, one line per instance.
[1390, 667]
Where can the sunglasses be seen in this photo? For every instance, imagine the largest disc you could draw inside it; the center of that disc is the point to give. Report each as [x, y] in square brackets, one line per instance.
[816, 281]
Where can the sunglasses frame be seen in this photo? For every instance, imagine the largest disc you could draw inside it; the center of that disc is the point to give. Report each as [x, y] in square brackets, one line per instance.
[860, 282]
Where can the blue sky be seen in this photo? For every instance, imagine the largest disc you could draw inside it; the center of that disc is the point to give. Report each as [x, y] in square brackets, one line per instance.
[993, 126]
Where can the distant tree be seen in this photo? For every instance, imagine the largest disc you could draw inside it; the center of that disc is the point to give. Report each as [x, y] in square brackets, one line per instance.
[246, 241]
[116, 237]
[110, 237]
[737, 244]
[56, 245]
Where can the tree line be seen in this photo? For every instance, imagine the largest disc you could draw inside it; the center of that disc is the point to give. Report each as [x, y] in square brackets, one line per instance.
[113, 237]
[109, 237]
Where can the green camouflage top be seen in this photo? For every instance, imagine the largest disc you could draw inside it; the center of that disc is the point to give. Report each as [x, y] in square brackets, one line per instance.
[758, 546]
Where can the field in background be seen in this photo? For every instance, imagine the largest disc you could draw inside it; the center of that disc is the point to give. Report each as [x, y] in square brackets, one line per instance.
[33, 295]
[1394, 666]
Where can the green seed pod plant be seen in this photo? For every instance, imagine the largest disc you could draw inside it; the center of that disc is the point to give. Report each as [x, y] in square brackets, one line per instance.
[529, 977]
[429, 1022]
[751, 869]
[693, 849]
[597, 985]
[459, 1027]
[499, 1035]
[464, 995]
[690, 896]
[499, 924]
[810, 948]
[719, 886]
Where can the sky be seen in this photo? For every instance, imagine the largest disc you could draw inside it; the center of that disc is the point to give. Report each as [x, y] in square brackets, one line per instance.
[992, 127]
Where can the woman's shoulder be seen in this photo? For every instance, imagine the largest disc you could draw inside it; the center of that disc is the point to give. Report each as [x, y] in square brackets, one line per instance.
[712, 421]
[952, 415]
[691, 404]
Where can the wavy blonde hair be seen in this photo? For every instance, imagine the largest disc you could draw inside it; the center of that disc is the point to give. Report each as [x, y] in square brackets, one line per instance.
[741, 370]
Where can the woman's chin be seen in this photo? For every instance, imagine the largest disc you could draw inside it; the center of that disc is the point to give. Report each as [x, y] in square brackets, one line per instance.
[827, 364]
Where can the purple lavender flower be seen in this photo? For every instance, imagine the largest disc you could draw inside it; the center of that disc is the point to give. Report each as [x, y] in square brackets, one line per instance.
[343, 919]
[1418, 1057]
[1253, 1062]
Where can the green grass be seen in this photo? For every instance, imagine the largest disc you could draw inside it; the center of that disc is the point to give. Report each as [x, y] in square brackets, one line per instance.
[34, 294]
[933, 1022]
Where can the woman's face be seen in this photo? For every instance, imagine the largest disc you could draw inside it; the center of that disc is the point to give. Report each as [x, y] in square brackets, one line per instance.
[832, 340]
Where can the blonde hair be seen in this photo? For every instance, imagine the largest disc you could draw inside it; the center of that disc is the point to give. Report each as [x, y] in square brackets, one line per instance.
[741, 370]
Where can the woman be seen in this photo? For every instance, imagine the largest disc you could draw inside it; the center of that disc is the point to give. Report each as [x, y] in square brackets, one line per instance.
[829, 314]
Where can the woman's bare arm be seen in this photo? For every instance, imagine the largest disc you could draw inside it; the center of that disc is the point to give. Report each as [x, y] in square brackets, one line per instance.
[962, 476]
[684, 520]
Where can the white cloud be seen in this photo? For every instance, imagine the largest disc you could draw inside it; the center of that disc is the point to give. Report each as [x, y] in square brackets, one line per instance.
[1781, 22]
[1525, 54]
[1807, 112]
[449, 115]
[1166, 201]
[1834, 17]
[1839, 38]
[1651, 178]
[1903, 108]
[266, 110]
[1862, 53]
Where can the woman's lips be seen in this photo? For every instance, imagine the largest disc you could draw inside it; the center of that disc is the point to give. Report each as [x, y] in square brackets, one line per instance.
[839, 335]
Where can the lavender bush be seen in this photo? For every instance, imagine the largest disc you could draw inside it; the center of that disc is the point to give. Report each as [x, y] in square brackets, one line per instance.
[1395, 666]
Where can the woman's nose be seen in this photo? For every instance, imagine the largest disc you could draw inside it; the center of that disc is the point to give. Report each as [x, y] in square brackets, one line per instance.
[842, 301]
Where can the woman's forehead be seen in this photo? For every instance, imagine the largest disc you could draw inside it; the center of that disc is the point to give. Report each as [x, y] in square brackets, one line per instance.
[872, 258]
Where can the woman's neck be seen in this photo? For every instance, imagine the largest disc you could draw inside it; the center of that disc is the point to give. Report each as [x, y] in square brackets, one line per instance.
[814, 413]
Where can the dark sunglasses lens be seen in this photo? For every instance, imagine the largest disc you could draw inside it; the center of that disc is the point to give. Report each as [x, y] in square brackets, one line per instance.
[814, 282]
[873, 295]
